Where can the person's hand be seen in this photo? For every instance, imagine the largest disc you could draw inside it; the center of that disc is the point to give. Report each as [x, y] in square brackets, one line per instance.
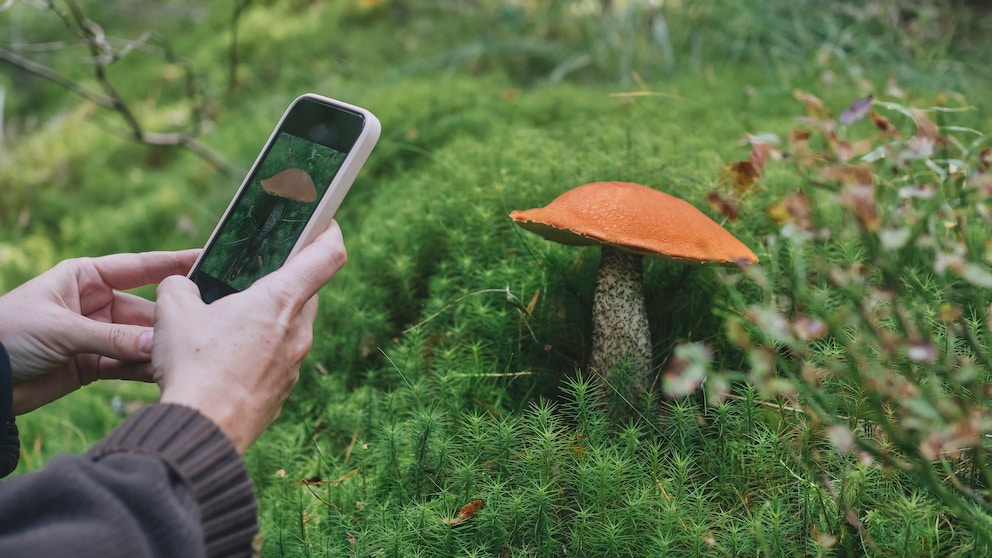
[71, 325]
[237, 359]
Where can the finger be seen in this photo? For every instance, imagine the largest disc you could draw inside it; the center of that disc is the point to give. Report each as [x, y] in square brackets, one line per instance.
[119, 341]
[128, 271]
[90, 368]
[310, 269]
[132, 309]
[112, 369]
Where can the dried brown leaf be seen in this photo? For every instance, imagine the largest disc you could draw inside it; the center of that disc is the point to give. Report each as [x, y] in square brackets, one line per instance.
[849, 175]
[985, 159]
[794, 208]
[860, 200]
[761, 151]
[883, 124]
[799, 147]
[799, 137]
[925, 128]
[743, 175]
[815, 108]
[726, 204]
[466, 512]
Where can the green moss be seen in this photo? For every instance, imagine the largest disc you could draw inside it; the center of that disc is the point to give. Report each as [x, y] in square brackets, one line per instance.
[445, 362]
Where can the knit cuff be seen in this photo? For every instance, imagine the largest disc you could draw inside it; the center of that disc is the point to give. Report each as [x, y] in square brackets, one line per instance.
[205, 459]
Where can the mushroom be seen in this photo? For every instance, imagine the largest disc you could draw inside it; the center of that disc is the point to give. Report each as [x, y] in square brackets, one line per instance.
[629, 221]
[294, 184]
[291, 184]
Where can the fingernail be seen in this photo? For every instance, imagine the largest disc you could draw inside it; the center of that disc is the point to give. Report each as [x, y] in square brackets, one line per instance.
[145, 341]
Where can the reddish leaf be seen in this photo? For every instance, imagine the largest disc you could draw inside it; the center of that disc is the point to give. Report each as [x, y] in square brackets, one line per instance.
[725, 204]
[466, 512]
[794, 208]
[799, 137]
[985, 159]
[743, 175]
[760, 152]
[883, 124]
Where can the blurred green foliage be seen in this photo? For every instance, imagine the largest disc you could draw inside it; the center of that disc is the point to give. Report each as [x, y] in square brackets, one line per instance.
[444, 364]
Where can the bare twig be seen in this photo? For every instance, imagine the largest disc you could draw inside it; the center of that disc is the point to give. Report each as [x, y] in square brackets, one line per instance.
[232, 79]
[40, 70]
[102, 55]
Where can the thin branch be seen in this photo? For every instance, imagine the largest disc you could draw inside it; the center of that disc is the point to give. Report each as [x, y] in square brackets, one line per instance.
[102, 55]
[54, 76]
[232, 79]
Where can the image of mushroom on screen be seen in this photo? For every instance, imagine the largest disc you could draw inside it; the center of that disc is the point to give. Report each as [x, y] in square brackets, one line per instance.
[269, 216]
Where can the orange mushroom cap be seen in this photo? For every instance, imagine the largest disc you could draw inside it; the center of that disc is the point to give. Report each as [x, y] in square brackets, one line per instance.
[637, 219]
[292, 183]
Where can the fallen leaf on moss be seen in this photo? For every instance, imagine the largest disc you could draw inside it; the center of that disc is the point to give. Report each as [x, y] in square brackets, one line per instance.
[743, 175]
[466, 512]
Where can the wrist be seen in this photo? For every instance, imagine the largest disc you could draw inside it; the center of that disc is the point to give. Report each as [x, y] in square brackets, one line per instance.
[223, 415]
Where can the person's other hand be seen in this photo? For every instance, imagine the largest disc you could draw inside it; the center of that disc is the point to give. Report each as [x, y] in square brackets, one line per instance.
[71, 325]
[237, 359]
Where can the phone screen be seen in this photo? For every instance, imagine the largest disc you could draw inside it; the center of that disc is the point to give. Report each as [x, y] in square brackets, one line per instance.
[284, 189]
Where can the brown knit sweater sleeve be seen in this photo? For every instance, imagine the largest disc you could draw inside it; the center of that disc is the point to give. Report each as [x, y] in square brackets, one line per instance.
[167, 482]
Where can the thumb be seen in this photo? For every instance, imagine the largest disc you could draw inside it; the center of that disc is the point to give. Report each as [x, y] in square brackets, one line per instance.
[178, 290]
[175, 297]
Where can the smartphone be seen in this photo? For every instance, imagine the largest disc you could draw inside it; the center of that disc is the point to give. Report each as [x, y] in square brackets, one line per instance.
[290, 194]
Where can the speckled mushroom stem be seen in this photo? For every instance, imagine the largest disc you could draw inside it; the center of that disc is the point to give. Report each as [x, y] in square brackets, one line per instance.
[621, 341]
